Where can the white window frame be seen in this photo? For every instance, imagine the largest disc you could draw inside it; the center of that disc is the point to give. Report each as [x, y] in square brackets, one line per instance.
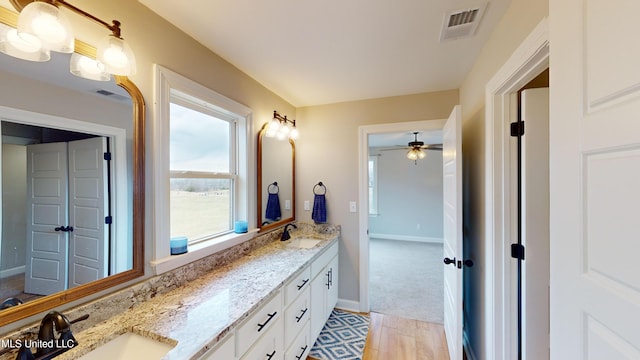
[166, 81]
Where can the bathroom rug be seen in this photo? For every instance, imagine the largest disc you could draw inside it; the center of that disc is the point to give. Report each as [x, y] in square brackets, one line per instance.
[342, 338]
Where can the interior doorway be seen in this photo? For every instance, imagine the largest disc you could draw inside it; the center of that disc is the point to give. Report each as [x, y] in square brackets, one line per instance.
[426, 126]
[406, 225]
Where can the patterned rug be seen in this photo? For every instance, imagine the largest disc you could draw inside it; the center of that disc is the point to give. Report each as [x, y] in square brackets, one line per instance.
[342, 338]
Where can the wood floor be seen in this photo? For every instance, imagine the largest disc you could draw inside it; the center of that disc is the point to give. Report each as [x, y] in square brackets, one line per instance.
[392, 337]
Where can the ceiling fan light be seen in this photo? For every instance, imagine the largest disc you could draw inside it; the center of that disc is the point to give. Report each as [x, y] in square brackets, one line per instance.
[117, 56]
[88, 68]
[412, 155]
[420, 153]
[46, 22]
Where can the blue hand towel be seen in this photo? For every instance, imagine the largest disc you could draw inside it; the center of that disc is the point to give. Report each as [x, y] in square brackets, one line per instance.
[319, 214]
[273, 208]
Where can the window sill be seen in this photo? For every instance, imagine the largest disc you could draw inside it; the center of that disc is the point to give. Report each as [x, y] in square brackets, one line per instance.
[200, 250]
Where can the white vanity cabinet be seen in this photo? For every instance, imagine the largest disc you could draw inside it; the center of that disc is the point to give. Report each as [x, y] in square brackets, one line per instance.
[286, 326]
[324, 288]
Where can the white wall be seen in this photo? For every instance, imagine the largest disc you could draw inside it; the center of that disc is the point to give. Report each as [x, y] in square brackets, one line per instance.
[519, 20]
[409, 197]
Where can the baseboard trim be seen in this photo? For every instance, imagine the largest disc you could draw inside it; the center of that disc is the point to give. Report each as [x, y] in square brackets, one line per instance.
[422, 239]
[348, 305]
[471, 355]
[13, 271]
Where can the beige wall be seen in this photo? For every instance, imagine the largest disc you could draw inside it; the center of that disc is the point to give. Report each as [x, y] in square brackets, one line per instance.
[327, 151]
[519, 20]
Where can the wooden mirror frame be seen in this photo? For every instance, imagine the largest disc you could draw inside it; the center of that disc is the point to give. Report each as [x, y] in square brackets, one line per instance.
[280, 222]
[49, 302]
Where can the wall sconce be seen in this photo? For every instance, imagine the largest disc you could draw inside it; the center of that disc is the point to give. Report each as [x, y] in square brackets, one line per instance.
[42, 28]
[282, 128]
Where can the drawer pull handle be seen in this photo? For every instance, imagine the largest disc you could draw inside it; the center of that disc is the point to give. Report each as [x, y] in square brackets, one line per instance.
[303, 284]
[261, 326]
[269, 356]
[298, 318]
[302, 353]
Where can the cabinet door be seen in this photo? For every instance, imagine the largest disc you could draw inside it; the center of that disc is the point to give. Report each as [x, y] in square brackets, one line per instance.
[270, 346]
[318, 307]
[332, 288]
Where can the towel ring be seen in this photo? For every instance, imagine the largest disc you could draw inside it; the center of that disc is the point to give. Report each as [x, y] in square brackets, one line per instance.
[320, 185]
[277, 189]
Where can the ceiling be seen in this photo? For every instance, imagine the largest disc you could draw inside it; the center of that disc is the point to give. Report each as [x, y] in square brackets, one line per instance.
[313, 53]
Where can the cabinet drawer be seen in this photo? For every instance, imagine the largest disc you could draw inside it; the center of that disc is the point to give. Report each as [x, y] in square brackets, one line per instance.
[323, 260]
[300, 348]
[296, 316]
[297, 285]
[269, 347]
[259, 323]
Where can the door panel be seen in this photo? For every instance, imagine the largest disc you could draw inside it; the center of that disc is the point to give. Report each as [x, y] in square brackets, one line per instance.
[595, 171]
[88, 207]
[46, 270]
[452, 184]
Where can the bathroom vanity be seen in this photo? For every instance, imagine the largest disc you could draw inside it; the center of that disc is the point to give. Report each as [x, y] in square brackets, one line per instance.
[272, 300]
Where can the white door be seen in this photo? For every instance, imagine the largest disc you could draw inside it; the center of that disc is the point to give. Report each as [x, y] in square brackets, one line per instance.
[452, 189]
[535, 224]
[46, 263]
[88, 206]
[594, 179]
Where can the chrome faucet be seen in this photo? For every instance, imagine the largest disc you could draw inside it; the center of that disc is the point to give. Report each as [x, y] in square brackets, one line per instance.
[285, 234]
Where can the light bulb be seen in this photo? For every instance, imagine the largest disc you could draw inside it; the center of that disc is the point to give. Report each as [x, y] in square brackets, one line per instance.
[294, 133]
[412, 155]
[88, 68]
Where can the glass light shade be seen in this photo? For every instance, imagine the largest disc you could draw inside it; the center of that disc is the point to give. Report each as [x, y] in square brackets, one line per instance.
[412, 155]
[294, 133]
[272, 128]
[421, 154]
[47, 23]
[283, 132]
[25, 48]
[117, 56]
[88, 68]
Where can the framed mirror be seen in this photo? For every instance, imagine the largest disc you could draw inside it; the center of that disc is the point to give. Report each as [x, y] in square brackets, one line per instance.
[91, 237]
[276, 181]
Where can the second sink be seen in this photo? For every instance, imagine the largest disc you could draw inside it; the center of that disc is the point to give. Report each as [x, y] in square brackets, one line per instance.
[129, 346]
[304, 243]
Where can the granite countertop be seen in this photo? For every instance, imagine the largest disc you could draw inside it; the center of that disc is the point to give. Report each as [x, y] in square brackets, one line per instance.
[194, 317]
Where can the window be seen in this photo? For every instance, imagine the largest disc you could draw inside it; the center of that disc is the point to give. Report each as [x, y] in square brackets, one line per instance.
[203, 169]
[373, 185]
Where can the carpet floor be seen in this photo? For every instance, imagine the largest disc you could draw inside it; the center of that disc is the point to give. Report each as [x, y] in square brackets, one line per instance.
[406, 279]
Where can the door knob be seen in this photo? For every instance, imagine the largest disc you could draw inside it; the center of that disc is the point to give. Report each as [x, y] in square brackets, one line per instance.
[468, 263]
[450, 261]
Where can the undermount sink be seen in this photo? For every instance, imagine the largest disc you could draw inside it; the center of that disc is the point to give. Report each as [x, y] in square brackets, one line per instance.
[304, 243]
[129, 346]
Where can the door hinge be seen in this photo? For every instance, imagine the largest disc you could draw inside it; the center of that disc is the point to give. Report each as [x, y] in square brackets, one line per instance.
[517, 128]
[108, 219]
[107, 156]
[517, 251]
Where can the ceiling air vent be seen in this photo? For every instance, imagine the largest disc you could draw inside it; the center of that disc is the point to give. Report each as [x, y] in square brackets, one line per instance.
[461, 23]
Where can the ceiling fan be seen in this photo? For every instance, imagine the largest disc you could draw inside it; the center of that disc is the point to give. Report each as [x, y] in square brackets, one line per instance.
[417, 148]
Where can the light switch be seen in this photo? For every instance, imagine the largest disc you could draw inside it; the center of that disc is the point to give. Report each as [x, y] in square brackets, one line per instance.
[307, 207]
[352, 206]
[287, 204]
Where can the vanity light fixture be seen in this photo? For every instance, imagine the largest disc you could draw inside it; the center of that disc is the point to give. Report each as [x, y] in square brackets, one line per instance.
[42, 28]
[282, 128]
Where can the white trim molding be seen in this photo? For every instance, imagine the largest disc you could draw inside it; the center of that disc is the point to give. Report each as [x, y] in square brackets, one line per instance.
[526, 62]
[422, 239]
